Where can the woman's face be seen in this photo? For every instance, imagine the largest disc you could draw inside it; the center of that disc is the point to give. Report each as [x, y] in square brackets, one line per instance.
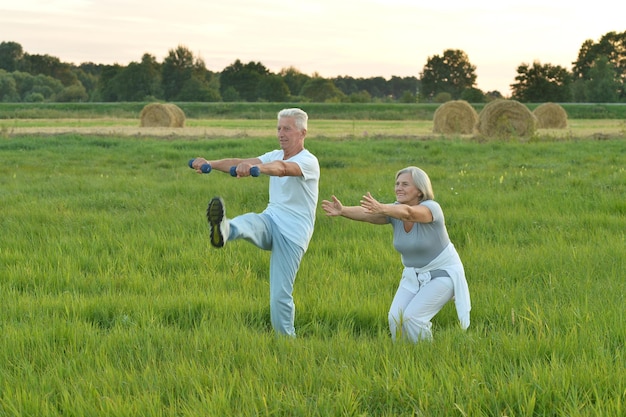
[406, 192]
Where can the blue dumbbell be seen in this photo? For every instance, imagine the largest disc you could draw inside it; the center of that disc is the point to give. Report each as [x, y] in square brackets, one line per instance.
[205, 168]
[254, 171]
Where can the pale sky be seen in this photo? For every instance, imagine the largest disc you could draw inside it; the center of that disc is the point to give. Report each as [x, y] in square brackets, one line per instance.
[357, 38]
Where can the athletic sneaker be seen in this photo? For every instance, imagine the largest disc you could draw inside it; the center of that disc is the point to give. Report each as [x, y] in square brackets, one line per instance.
[216, 215]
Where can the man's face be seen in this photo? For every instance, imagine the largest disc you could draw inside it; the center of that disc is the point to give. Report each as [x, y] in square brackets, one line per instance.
[288, 134]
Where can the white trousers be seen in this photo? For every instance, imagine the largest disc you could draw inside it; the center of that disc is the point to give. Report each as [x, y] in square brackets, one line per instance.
[414, 306]
[260, 230]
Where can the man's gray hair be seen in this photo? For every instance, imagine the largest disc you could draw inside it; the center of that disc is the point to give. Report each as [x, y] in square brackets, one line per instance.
[299, 116]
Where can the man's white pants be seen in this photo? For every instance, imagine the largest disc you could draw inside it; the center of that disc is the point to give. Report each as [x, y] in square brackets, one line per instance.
[414, 306]
[260, 230]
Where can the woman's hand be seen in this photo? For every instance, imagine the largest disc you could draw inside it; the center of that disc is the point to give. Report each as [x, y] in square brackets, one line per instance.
[371, 205]
[332, 208]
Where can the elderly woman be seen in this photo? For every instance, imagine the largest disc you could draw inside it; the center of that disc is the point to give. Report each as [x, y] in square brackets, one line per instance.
[433, 272]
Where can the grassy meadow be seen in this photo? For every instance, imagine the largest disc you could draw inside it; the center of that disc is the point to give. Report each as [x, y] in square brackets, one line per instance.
[114, 303]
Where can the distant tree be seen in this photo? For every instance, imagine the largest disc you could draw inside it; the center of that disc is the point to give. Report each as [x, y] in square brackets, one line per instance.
[39, 64]
[181, 69]
[244, 78]
[139, 81]
[398, 87]
[46, 87]
[408, 97]
[177, 68]
[65, 73]
[294, 79]
[542, 83]
[49, 65]
[375, 86]
[442, 97]
[612, 46]
[72, 93]
[230, 94]
[473, 95]
[91, 68]
[347, 85]
[320, 90]
[24, 83]
[579, 91]
[18, 86]
[208, 87]
[8, 88]
[34, 98]
[197, 89]
[273, 88]
[107, 88]
[11, 53]
[493, 95]
[89, 81]
[602, 86]
[451, 73]
[214, 85]
[360, 97]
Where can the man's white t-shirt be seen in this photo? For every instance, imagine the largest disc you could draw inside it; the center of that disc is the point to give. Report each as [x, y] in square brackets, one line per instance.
[293, 200]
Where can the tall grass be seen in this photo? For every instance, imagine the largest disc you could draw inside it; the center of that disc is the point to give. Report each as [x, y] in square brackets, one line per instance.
[113, 302]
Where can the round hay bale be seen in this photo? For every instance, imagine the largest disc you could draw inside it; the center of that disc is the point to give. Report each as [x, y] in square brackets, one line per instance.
[178, 113]
[162, 115]
[156, 115]
[457, 116]
[550, 116]
[506, 118]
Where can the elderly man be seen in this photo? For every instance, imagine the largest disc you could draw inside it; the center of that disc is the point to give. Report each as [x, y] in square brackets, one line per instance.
[285, 227]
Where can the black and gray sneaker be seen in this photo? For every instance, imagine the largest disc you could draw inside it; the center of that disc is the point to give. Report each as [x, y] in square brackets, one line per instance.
[216, 215]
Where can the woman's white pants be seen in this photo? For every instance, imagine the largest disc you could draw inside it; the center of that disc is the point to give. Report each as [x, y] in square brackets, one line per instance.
[414, 306]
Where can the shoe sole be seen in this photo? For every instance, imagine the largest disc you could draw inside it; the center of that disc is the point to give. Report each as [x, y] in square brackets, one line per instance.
[215, 215]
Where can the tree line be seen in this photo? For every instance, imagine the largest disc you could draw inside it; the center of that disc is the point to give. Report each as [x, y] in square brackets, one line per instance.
[598, 75]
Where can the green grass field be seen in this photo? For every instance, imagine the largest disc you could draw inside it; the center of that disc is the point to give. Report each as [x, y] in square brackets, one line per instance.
[114, 303]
